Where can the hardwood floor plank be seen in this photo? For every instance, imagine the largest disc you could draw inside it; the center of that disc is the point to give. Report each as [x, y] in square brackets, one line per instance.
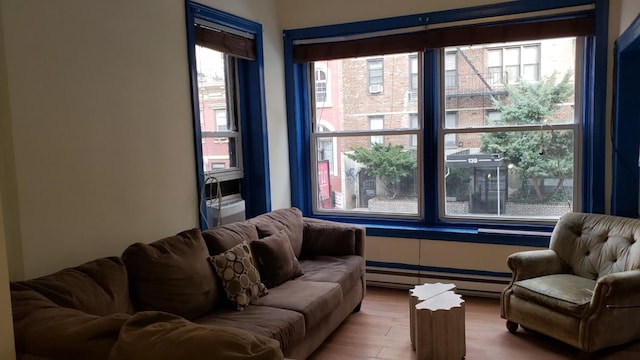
[381, 331]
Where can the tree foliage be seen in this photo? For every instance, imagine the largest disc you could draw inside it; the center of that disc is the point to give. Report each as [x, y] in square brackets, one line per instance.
[390, 163]
[544, 153]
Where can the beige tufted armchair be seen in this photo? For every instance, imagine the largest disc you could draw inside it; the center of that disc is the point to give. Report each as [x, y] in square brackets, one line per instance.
[585, 289]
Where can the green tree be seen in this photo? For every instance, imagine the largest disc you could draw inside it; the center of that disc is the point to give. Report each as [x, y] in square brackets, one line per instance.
[544, 153]
[390, 163]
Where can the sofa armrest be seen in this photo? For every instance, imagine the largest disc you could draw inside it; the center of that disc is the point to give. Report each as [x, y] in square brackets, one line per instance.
[323, 237]
[618, 290]
[534, 263]
[43, 329]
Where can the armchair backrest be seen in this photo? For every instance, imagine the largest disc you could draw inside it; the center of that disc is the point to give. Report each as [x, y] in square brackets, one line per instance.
[594, 245]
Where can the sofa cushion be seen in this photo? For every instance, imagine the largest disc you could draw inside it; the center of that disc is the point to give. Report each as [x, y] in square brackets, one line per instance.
[42, 328]
[286, 326]
[328, 239]
[158, 336]
[566, 293]
[315, 300]
[275, 259]
[223, 238]
[173, 275]
[344, 270]
[240, 278]
[99, 287]
[289, 220]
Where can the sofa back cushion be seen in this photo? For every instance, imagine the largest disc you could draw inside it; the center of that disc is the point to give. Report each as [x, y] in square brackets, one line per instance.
[289, 220]
[173, 275]
[99, 287]
[275, 259]
[223, 238]
[595, 245]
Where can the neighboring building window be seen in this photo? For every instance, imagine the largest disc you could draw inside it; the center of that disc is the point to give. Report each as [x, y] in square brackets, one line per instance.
[506, 65]
[376, 123]
[450, 70]
[413, 78]
[221, 120]
[450, 122]
[413, 119]
[321, 86]
[325, 148]
[376, 75]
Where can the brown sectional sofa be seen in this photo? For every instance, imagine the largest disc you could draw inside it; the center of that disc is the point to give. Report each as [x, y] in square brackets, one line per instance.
[164, 300]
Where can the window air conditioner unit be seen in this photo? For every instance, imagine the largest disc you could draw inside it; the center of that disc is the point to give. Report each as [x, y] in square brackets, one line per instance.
[231, 209]
[375, 89]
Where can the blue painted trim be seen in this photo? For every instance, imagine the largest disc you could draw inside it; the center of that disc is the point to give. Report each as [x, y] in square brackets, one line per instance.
[402, 266]
[256, 189]
[436, 17]
[431, 107]
[594, 133]
[195, 106]
[626, 124]
[431, 227]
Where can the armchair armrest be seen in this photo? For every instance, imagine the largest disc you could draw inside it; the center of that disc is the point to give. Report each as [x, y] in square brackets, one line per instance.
[618, 290]
[534, 263]
[322, 237]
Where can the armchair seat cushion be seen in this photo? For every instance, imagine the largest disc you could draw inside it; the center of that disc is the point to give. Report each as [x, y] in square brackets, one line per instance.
[565, 293]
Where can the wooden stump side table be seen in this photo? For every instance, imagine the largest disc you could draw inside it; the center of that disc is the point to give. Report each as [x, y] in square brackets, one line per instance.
[421, 293]
[440, 330]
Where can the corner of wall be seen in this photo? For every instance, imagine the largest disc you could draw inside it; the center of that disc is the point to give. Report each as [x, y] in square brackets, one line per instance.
[10, 233]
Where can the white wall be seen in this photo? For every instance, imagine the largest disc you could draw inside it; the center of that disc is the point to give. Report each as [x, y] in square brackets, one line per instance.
[305, 13]
[629, 11]
[100, 121]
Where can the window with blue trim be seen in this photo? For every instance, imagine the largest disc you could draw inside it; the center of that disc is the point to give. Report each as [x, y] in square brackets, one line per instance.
[498, 138]
[227, 85]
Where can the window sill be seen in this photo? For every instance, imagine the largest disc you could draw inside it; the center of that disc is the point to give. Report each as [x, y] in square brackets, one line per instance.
[523, 236]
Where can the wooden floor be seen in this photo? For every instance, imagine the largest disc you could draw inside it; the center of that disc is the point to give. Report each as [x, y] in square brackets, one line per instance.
[381, 331]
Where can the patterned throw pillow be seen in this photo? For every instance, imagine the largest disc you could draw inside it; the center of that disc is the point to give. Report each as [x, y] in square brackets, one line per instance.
[239, 276]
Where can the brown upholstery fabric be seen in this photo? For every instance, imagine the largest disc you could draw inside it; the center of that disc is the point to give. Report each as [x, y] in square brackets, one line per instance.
[315, 300]
[99, 287]
[275, 259]
[286, 326]
[173, 275]
[328, 239]
[343, 270]
[43, 328]
[566, 293]
[157, 335]
[223, 238]
[239, 276]
[289, 220]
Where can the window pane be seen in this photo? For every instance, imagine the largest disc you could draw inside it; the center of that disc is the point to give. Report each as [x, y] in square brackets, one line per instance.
[374, 186]
[219, 152]
[527, 174]
[526, 170]
[384, 125]
[215, 84]
[484, 90]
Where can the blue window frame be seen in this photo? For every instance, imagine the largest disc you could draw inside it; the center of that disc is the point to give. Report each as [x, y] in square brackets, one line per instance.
[625, 198]
[431, 226]
[255, 189]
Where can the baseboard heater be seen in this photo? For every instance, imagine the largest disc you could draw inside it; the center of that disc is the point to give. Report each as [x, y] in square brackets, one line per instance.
[467, 282]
